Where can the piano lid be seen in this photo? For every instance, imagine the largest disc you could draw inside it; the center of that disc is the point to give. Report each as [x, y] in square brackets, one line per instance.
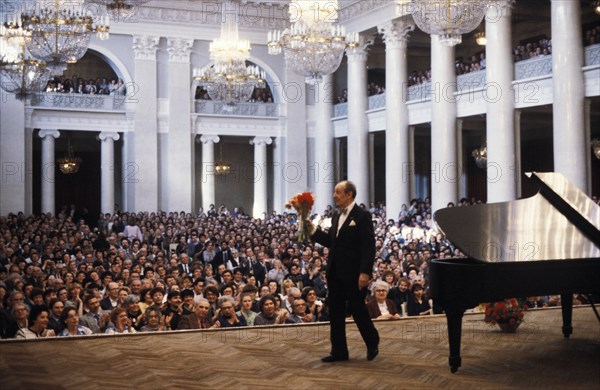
[558, 223]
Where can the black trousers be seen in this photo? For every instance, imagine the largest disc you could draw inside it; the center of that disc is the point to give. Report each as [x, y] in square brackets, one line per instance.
[342, 292]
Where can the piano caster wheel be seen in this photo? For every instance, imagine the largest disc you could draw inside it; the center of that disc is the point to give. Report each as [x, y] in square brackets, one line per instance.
[453, 370]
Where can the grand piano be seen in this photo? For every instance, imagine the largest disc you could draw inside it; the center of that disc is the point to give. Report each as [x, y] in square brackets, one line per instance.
[548, 244]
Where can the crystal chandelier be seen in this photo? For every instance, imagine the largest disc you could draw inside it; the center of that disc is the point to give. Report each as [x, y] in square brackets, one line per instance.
[60, 32]
[19, 73]
[119, 8]
[229, 79]
[596, 6]
[447, 18]
[480, 156]
[69, 164]
[313, 45]
[222, 167]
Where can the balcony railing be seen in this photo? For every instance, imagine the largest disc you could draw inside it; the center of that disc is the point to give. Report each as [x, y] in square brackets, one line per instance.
[210, 107]
[78, 101]
[592, 55]
[533, 67]
[377, 101]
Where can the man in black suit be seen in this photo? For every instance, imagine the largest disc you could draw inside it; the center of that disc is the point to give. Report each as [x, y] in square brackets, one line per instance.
[351, 243]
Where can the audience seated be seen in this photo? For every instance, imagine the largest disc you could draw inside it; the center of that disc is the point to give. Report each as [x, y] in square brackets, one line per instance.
[139, 282]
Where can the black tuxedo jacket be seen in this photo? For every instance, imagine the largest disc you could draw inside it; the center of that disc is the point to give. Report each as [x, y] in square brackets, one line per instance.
[352, 252]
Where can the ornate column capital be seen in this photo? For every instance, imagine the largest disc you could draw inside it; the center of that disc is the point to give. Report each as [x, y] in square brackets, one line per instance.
[179, 49]
[145, 47]
[260, 141]
[105, 135]
[49, 133]
[396, 33]
[205, 139]
[497, 9]
[360, 51]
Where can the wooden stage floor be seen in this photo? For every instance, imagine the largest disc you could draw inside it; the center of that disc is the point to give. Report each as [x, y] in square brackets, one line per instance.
[413, 354]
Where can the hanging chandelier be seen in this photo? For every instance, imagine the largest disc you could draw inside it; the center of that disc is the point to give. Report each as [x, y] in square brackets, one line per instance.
[222, 167]
[19, 73]
[480, 38]
[60, 32]
[119, 8]
[448, 19]
[596, 6]
[480, 156]
[69, 164]
[313, 45]
[230, 79]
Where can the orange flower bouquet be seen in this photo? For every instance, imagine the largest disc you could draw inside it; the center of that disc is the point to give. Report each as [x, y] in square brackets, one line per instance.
[302, 203]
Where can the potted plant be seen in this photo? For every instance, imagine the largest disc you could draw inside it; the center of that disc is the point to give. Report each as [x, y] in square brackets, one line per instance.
[508, 314]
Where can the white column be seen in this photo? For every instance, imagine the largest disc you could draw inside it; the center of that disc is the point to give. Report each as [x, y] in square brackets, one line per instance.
[517, 122]
[14, 171]
[143, 179]
[260, 179]
[411, 168]
[587, 106]
[324, 158]
[568, 111]
[398, 165]
[358, 126]
[502, 171]
[48, 170]
[444, 167]
[180, 152]
[107, 171]
[208, 169]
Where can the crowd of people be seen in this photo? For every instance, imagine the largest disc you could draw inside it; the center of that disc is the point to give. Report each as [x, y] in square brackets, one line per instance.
[259, 95]
[158, 271]
[75, 84]
[523, 51]
[372, 89]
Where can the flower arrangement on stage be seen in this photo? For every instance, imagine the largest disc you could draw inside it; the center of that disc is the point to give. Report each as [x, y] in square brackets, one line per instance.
[302, 203]
[507, 313]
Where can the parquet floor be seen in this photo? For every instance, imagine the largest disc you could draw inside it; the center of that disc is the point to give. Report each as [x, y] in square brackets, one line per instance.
[413, 354]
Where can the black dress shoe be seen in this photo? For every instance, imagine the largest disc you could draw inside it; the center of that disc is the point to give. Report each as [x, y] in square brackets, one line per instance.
[333, 358]
[372, 353]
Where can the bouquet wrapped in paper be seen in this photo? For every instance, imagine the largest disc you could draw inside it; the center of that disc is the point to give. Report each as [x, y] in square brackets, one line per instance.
[303, 204]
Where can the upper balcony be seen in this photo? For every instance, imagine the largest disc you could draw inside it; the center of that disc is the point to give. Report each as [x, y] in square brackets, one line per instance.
[254, 109]
[79, 102]
[538, 67]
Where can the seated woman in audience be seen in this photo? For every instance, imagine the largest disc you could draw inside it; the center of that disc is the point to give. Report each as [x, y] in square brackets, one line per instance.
[399, 295]
[417, 304]
[153, 321]
[313, 305]
[247, 301]
[380, 307]
[38, 324]
[121, 322]
[268, 315]
[75, 300]
[70, 318]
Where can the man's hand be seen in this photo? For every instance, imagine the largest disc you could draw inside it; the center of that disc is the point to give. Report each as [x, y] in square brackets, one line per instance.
[363, 280]
[310, 227]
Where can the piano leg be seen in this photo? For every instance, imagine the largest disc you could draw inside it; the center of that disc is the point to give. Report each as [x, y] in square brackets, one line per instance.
[567, 312]
[454, 320]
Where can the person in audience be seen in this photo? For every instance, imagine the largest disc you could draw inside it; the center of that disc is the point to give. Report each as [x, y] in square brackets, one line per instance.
[38, 324]
[417, 305]
[121, 322]
[227, 317]
[247, 301]
[380, 307]
[153, 321]
[268, 314]
[72, 327]
[200, 318]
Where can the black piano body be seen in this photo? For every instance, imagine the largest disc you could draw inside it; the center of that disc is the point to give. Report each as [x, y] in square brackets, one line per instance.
[545, 245]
